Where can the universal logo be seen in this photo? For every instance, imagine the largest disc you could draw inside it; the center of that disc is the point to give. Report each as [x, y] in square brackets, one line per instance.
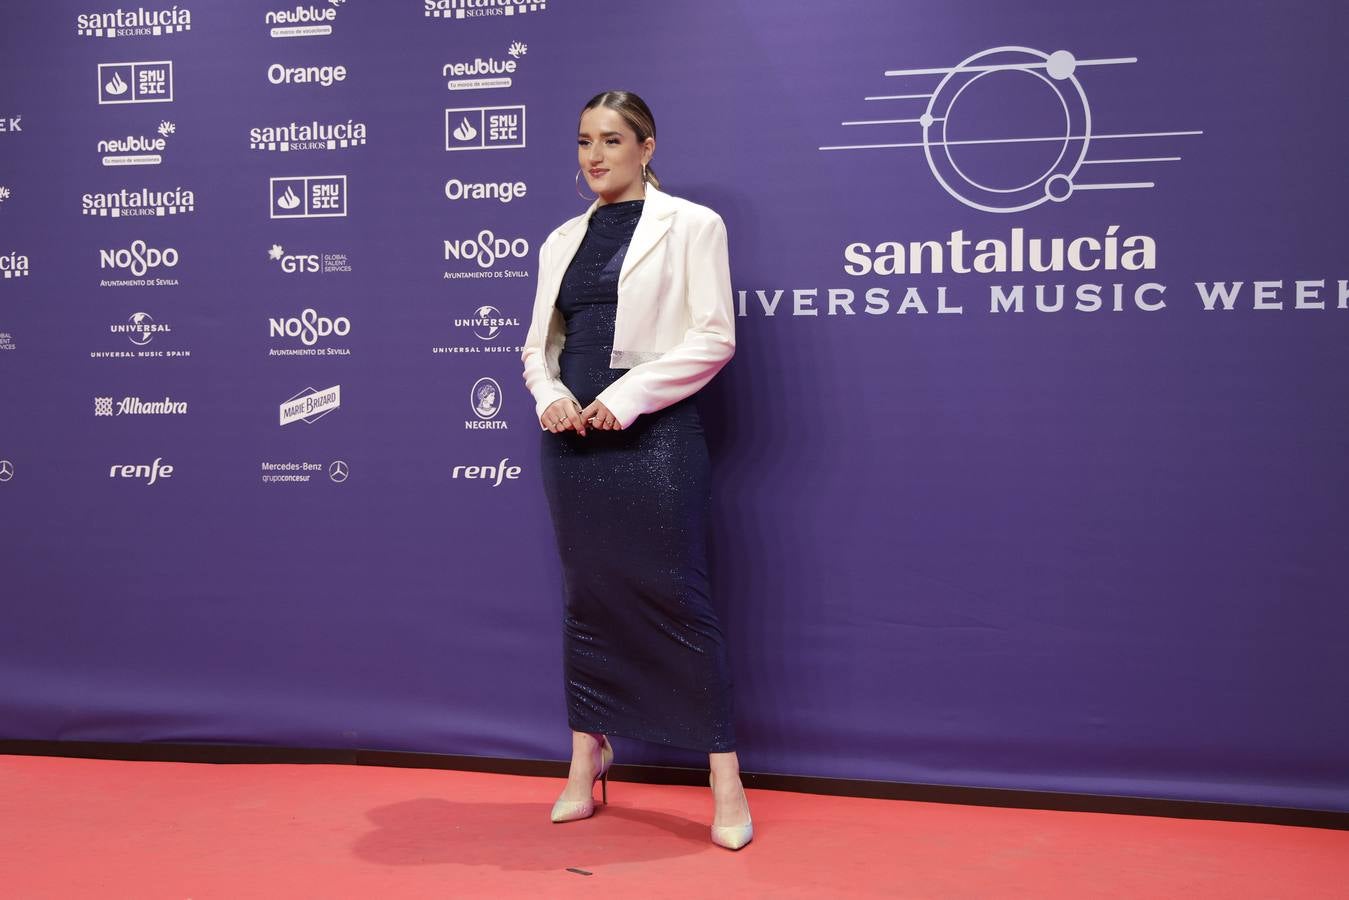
[149, 473]
[135, 406]
[140, 328]
[485, 401]
[144, 202]
[134, 23]
[483, 74]
[14, 265]
[503, 191]
[486, 323]
[303, 21]
[135, 82]
[310, 328]
[310, 405]
[309, 197]
[474, 9]
[485, 128]
[137, 149]
[495, 473]
[297, 136]
[304, 262]
[138, 259]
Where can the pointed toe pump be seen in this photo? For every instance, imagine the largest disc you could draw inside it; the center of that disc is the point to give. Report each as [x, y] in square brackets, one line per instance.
[732, 837]
[570, 810]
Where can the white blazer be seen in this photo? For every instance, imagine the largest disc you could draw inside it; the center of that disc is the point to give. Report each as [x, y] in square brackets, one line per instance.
[674, 327]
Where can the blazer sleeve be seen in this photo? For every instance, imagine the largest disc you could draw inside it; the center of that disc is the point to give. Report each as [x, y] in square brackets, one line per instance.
[708, 344]
[538, 349]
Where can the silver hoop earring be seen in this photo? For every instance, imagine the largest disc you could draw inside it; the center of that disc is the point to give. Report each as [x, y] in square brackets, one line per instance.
[578, 188]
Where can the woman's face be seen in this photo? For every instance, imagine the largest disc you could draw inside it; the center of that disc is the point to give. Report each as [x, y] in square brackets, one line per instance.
[610, 156]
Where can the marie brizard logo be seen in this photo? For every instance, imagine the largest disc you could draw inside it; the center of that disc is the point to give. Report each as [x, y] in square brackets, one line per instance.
[965, 129]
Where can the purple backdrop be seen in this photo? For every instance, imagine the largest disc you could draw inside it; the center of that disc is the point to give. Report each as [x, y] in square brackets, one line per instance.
[1084, 549]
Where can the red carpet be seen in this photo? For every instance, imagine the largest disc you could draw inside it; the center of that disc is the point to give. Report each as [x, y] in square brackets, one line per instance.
[77, 828]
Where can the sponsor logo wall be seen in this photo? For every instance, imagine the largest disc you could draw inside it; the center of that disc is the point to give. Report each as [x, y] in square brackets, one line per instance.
[1040, 340]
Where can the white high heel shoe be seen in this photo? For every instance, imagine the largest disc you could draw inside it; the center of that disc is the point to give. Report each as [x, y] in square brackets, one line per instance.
[570, 810]
[732, 837]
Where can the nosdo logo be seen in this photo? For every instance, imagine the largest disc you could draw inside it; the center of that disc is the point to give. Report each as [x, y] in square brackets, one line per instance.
[139, 258]
[135, 82]
[303, 21]
[137, 22]
[150, 473]
[473, 9]
[481, 74]
[326, 76]
[486, 249]
[13, 265]
[136, 149]
[312, 135]
[309, 326]
[144, 202]
[504, 191]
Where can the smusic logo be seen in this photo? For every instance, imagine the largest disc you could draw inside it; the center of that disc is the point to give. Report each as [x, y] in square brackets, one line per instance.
[309, 197]
[135, 82]
[485, 128]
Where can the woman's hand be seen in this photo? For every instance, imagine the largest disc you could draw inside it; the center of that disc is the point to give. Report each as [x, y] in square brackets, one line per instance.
[565, 415]
[598, 414]
[562, 415]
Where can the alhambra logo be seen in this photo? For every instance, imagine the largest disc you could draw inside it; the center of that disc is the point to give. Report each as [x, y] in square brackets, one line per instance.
[139, 22]
[1057, 148]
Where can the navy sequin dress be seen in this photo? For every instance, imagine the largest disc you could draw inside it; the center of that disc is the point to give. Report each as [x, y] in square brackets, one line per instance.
[643, 652]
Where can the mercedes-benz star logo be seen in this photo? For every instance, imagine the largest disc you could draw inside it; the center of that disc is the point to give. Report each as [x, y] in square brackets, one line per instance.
[338, 471]
[6, 470]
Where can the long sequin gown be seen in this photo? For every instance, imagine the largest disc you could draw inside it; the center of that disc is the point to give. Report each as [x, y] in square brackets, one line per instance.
[643, 651]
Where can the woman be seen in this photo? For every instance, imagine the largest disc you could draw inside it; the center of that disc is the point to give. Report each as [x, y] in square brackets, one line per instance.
[633, 315]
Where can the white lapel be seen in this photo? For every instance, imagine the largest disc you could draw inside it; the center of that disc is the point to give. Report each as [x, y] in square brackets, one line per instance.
[569, 238]
[657, 215]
